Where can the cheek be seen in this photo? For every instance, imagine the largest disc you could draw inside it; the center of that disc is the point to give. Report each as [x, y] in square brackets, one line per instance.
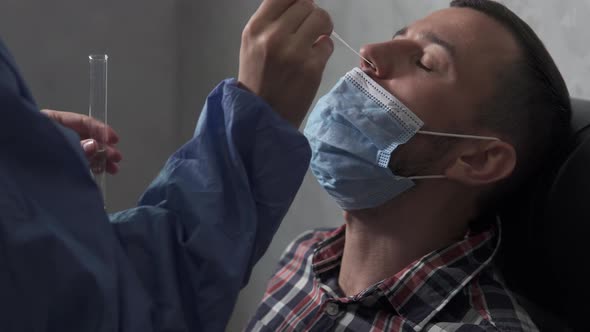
[409, 158]
[437, 105]
[428, 99]
[422, 155]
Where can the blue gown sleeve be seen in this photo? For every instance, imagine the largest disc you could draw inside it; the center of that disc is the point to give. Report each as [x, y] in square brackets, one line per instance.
[61, 266]
[213, 210]
[174, 263]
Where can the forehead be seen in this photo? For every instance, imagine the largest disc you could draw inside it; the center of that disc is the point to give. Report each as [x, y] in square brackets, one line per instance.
[469, 29]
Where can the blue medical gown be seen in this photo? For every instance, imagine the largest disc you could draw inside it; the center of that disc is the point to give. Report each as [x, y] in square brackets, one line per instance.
[177, 261]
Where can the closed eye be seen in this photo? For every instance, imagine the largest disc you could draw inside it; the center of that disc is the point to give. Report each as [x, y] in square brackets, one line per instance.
[422, 66]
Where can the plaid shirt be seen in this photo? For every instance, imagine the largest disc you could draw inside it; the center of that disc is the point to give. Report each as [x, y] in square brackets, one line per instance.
[449, 290]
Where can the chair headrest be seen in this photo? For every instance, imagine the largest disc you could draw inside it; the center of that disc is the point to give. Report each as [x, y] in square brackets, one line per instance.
[580, 117]
[544, 254]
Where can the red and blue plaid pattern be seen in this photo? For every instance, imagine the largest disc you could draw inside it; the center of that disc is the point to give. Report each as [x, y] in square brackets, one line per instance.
[453, 289]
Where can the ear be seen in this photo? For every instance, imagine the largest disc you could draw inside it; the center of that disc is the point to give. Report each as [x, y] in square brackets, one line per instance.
[483, 164]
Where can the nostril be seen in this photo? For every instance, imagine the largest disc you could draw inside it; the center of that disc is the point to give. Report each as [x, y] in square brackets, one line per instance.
[366, 62]
[369, 64]
[368, 67]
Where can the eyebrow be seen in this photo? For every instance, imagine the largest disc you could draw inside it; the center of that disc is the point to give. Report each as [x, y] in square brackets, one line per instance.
[431, 37]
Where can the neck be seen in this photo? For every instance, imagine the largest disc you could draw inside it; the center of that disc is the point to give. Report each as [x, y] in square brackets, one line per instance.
[382, 241]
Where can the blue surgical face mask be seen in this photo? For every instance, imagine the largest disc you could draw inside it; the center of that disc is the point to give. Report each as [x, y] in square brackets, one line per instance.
[353, 131]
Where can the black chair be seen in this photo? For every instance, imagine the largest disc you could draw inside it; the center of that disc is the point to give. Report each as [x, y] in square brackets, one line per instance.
[546, 246]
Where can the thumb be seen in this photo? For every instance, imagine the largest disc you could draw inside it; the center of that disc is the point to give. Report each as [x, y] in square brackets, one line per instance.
[89, 146]
[323, 49]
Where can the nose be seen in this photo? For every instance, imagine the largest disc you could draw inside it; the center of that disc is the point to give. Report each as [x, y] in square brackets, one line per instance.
[390, 58]
[369, 52]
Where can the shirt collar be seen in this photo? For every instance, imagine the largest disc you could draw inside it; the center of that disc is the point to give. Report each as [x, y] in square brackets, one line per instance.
[424, 287]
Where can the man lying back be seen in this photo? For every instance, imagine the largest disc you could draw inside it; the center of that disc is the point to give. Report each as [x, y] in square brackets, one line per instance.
[420, 146]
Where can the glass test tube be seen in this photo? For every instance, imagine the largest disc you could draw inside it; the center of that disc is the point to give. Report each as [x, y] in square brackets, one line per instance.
[98, 111]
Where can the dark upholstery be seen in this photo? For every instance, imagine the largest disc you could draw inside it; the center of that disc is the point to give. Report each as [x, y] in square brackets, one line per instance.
[546, 246]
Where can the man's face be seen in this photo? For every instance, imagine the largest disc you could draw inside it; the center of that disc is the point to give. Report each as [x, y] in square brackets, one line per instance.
[443, 67]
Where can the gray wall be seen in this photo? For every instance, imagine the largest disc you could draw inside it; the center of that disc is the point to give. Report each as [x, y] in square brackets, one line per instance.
[51, 41]
[165, 56]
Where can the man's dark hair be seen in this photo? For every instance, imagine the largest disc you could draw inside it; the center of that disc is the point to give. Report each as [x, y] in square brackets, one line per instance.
[531, 104]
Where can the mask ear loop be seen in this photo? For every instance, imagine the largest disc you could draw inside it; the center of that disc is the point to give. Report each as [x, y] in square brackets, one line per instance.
[427, 177]
[433, 133]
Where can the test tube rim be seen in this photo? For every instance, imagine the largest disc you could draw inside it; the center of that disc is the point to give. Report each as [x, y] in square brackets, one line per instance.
[98, 57]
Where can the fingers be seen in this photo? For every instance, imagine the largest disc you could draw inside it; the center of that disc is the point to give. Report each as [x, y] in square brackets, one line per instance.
[323, 49]
[317, 24]
[84, 125]
[99, 160]
[112, 168]
[270, 10]
[284, 50]
[110, 154]
[94, 134]
[113, 154]
[99, 131]
[89, 146]
[292, 19]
